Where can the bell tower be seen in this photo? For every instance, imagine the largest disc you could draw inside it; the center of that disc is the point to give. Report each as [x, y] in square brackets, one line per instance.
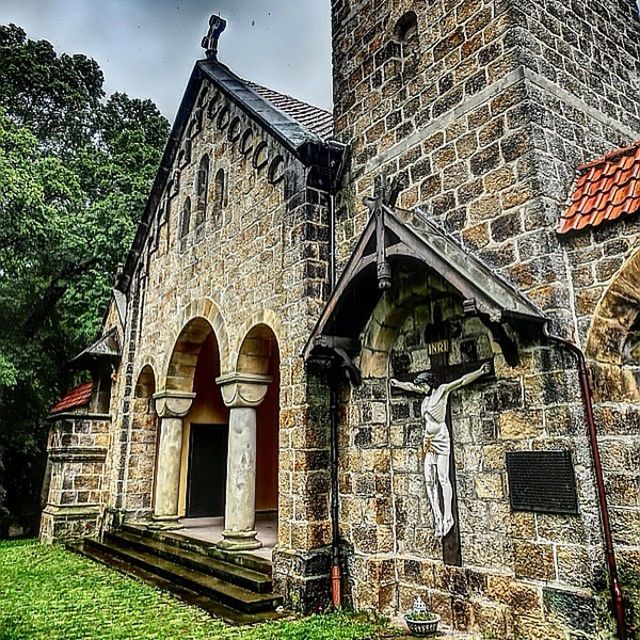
[485, 108]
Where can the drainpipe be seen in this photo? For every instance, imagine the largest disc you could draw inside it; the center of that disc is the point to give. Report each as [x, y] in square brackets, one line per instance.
[336, 572]
[614, 584]
[332, 242]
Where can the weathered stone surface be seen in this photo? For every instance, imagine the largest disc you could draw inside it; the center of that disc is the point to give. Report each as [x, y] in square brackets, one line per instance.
[486, 114]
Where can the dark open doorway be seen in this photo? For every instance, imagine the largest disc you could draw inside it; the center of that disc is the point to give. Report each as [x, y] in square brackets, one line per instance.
[207, 477]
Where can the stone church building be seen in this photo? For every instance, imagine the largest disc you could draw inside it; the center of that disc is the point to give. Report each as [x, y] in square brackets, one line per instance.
[468, 211]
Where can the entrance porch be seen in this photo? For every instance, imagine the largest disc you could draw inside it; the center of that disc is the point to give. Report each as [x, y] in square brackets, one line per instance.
[209, 531]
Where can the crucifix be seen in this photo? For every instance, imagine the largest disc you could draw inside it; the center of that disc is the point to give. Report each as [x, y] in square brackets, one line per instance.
[439, 461]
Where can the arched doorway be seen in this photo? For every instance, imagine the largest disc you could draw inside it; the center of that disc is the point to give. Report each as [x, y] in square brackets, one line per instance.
[192, 466]
[252, 393]
[259, 355]
[205, 438]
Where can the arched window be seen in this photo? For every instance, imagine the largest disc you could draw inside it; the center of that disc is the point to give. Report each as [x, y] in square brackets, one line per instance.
[184, 155]
[406, 36]
[185, 218]
[219, 187]
[202, 188]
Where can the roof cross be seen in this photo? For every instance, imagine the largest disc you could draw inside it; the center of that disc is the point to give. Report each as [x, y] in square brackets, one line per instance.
[210, 42]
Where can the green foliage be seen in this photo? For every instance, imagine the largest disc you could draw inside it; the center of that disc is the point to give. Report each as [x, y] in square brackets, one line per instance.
[75, 171]
[49, 593]
[57, 97]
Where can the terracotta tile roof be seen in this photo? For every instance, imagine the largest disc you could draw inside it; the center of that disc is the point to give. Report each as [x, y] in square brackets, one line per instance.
[317, 120]
[78, 397]
[607, 188]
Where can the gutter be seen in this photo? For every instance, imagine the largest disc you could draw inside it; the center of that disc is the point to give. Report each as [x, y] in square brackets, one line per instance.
[587, 401]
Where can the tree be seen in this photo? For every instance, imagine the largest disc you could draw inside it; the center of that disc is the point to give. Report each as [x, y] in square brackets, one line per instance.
[74, 174]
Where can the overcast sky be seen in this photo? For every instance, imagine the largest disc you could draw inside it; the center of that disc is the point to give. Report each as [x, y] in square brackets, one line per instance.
[147, 48]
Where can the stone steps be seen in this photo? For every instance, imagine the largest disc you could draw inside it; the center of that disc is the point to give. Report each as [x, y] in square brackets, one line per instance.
[255, 563]
[236, 593]
[256, 581]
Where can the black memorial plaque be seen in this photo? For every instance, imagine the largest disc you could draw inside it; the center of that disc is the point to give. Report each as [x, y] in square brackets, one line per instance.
[542, 481]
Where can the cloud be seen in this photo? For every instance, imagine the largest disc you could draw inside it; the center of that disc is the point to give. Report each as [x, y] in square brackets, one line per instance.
[147, 47]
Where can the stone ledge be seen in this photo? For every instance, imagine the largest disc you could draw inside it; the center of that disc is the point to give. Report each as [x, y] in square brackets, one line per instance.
[78, 454]
[71, 511]
[79, 416]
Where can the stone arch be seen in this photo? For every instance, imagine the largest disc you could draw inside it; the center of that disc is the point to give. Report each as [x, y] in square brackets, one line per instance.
[199, 317]
[256, 351]
[141, 462]
[264, 317]
[615, 314]
[380, 332]
[258, 356]
[615, 318]
[145, 383]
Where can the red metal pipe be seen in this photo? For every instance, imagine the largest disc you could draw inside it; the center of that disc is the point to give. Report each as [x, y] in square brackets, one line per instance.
[587, 400]
[336, 586]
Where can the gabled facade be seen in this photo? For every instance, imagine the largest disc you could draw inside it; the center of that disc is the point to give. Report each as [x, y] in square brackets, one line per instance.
[292, 287]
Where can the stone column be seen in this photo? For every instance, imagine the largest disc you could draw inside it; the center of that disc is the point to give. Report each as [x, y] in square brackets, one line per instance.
[171, 407]
[241, 392]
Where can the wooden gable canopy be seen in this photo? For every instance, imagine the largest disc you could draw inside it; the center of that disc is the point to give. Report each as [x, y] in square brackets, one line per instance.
[107, 347]
[411, 236]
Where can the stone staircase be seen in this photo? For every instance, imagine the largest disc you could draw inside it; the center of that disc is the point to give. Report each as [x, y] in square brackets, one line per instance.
[234, 586]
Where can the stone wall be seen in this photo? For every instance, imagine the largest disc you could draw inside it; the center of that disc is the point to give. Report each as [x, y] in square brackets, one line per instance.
[141, 458]
[523, 574]
[77, 449]
[486, 121]
[257, 255]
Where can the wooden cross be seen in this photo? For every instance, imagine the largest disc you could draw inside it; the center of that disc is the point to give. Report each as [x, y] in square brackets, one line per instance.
[443, 372]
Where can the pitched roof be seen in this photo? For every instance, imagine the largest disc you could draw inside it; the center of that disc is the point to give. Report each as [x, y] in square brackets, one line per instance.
[313, 118]
[606, 189]
[78, 397]
[106, 346]
[293, 121]
[301, 128]
[410, 234]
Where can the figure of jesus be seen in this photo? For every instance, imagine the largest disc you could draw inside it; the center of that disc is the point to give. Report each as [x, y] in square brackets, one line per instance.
[438, 445]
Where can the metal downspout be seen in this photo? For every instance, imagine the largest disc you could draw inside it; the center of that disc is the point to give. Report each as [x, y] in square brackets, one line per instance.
[336, 572]
[614, 583]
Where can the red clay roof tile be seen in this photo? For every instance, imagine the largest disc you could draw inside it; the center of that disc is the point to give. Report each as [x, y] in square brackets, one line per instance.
[607, 188]
[78, 397]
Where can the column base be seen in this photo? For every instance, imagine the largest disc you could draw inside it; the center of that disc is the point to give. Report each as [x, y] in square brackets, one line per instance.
[239, 541]
[164, 523]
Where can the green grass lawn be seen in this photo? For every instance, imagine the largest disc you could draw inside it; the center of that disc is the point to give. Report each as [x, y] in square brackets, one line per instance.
[49, 593]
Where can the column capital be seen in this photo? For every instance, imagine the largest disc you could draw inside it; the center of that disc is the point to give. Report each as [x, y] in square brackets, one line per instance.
[173, 404]
[243, 389]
